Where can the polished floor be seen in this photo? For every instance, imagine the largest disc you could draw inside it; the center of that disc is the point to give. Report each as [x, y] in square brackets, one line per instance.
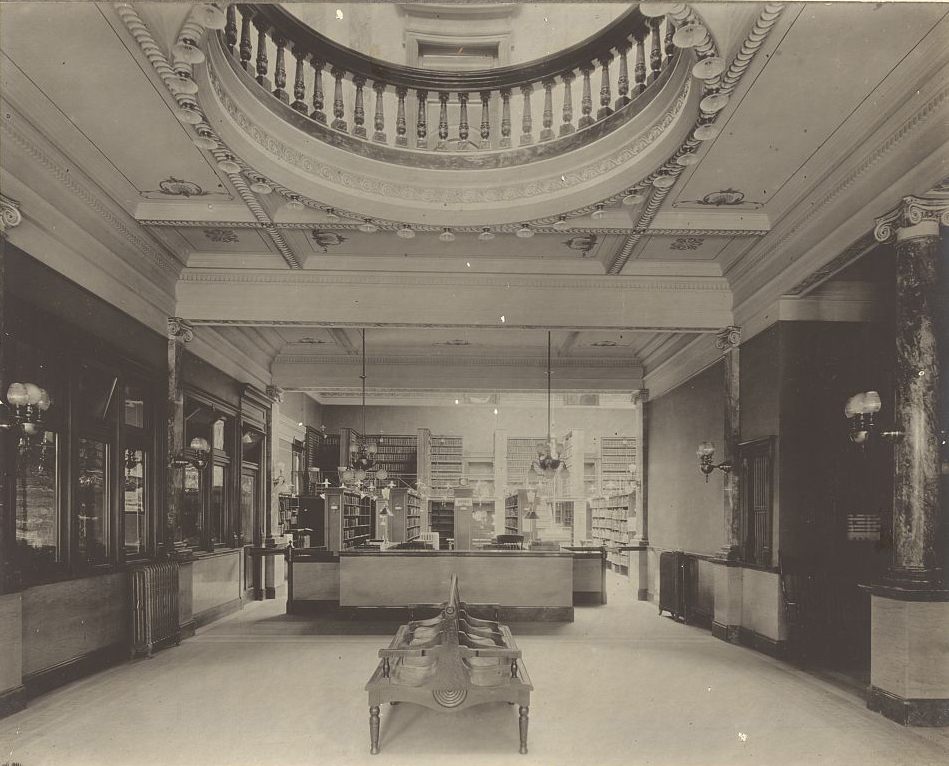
[620, 685]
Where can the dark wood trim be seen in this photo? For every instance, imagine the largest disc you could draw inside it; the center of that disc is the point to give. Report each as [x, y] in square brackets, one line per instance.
[187, 629]
[276, 19]
[404, 613]
[314, 606]
[727, 633]
[217, 612]
[12, 701]
[907, 594]
[588, 598]
[770, 646]
[908, 712]
[74, 668]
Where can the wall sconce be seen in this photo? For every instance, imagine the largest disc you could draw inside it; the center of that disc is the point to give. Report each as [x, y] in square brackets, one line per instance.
[861, 410]
[197, 454]
[27, 402]
[706, 453]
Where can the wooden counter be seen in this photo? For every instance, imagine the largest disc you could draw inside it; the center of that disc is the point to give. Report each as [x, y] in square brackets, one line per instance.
[526, 585]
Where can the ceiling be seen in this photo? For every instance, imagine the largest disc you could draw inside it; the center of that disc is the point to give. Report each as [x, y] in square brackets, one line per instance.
[760, 210]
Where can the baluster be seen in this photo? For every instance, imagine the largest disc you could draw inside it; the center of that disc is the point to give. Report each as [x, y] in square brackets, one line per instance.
[442, 119]
[318, 114]
[379, 120]
[421, 127]
[463, 120]
[505, 118]
[567, 128]
[639, 71]
[359, 111]
[670, 46]
[586, 99]
[485, 119]
[655, 51]
[400, 139]
[246, 49]
[338, 112]
[280, 72]
[262, 55]
[547, 132]
[299, 85]
[622, 84]
[527, 122]
[605, 95]
[230, 28]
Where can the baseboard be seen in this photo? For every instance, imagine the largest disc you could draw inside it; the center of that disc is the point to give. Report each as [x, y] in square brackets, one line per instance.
[728, 633]
[311, 606]
[699, 618]
[270, 593]
[186, 629]
[770, 646]
[404, 614]
[12, 701]
[908, 712]
[642, 594]
[588, 598]
[74, 668]
[217, 612]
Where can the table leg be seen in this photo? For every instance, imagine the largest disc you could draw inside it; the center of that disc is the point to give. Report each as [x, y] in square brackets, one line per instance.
[374, 730]
[522, 722]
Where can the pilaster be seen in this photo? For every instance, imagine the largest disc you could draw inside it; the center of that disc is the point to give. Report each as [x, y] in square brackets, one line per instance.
[728, 340]
[179, 333]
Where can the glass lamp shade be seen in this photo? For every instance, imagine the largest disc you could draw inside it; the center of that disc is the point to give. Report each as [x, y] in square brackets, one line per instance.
[382, 474]
[447, 235]
[524, 232]
[706, 132]
[706, 449]
[44, 401]
[205, 140]
[486, 235]
[200, 444]
[714, 103]
[187, 50]
[359, 474]
[353, 448]
[33, 393]
[17, 395]
[184, 84]
[561, 223]
[348, 475]
[690, 35]
[709, 68]
[405, 232]
[368, 227]
[372, 448]
[209, 16]
[850, 408]
[228, 165]
[871, 402]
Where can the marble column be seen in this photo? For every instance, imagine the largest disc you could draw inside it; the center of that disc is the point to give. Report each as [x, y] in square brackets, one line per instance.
[179, 333]
[909, 611]
[639, 560]
[271, 517]
[728, 340]
[914, 226]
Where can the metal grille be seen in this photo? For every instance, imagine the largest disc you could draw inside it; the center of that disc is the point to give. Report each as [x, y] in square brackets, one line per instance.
[755, 491]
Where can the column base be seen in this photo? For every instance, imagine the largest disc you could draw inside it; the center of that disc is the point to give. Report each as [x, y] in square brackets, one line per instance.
[728, 633]
[912, 579]
[908, 712]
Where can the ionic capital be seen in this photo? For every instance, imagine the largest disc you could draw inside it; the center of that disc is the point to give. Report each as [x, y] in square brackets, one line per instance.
[913, 217]
[10, 215]
[180, 330]
[728, 338]
[275, 394]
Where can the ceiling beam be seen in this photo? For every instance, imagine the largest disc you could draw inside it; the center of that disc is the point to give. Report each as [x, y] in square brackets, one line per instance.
[568, 343]
[389, 299]
[342, 339]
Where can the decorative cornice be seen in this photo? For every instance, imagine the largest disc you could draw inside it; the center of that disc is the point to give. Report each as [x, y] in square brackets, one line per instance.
[728, 338]
[839, 262]
[70, 180]
[237, 180]
[10, 215]
[180, 330]
[910, 213]
[305, 277]
[641, 396]
[786, 230]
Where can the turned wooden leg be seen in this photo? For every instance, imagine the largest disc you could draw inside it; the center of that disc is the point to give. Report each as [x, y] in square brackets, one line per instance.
[374, 730]
[522, 722]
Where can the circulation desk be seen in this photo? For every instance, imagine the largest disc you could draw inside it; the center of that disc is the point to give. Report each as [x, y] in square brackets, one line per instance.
[525, 585]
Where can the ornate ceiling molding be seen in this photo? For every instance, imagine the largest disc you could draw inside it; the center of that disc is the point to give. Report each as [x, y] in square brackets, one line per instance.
[10, 215]
[445, 360]
[214, 322]
[72, 180]
[836, 264]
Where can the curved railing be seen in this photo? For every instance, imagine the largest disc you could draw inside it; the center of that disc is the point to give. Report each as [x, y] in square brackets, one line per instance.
[255, 35]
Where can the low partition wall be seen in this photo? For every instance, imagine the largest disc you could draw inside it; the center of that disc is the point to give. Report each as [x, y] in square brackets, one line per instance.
[526, 585]
[216, 585]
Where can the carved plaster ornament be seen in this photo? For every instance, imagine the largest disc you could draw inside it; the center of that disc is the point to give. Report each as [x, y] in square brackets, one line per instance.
[912, 211]
[179, 329]
[728, 338]
[10, 215]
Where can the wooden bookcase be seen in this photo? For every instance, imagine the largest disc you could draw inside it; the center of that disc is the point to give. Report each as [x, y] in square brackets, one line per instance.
[349, 519]
[612, 527]
[512, 513]
[442, 520]
[616, 455]
[521, 451]
[447, 462]
[405, 524]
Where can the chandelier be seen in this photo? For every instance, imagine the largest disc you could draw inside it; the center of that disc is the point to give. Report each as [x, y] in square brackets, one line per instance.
[363, 472]
[548, 464]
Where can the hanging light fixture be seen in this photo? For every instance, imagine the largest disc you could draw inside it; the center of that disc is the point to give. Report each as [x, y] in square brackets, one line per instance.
[363, 471]
[548, 464]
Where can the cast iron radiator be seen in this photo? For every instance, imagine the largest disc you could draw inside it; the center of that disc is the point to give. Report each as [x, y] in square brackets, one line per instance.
[153, 590]
[677, 584]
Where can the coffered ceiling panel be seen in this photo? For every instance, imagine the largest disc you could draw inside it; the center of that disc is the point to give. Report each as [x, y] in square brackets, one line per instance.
[99, 87]
[822, 70]
[685, 247]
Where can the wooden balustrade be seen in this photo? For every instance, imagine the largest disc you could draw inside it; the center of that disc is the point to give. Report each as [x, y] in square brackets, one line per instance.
[277, 31]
